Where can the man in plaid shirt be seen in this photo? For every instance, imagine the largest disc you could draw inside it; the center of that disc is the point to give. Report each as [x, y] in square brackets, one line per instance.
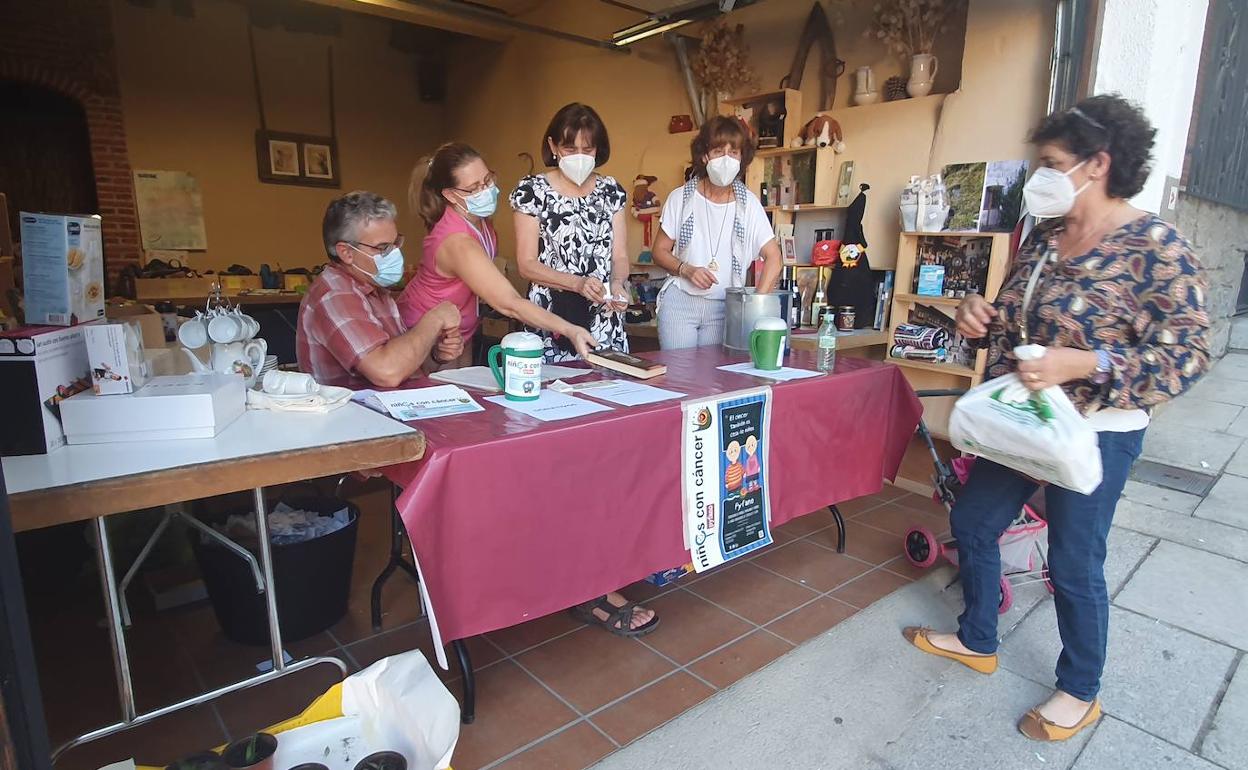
[349, 331]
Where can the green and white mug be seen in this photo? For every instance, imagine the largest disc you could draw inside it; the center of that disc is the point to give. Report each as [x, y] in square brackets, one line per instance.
[767, 342]
[517, 366]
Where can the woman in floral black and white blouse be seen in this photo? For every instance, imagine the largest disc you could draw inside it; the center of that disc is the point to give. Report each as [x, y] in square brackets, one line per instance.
[1118, 302]
[570, 233]
[570, 244]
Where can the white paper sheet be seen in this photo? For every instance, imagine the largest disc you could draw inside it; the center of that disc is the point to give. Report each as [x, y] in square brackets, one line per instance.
[782, 374]
[627, 393]
[481, 378]
[550, 406]
[425, 403]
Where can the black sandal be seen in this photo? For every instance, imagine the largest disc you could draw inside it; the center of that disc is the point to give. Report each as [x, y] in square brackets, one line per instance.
[619, 619]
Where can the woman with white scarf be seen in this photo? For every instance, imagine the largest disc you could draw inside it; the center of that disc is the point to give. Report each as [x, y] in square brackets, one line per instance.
[712, 229]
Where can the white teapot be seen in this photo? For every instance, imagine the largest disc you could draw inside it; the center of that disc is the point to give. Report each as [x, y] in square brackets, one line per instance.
[245, 358]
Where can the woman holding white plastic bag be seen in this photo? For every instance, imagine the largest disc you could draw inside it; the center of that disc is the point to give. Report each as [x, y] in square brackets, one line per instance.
[1119, 306]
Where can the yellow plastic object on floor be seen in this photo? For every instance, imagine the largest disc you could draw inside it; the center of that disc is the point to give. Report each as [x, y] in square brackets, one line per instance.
[402, 702]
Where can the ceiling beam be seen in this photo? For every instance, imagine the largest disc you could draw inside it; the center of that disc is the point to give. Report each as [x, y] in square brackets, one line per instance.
[411, 13]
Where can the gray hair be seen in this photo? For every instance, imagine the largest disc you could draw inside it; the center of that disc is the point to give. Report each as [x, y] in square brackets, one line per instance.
[347, 214]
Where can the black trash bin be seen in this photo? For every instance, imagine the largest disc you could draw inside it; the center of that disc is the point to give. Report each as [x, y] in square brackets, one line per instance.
[313, 580]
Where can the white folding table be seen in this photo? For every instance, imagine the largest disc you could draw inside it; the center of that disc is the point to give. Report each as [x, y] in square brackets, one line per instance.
[261, 448]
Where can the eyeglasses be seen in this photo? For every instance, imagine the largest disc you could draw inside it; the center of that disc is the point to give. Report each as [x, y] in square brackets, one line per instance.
[490, 179]
[382, 249]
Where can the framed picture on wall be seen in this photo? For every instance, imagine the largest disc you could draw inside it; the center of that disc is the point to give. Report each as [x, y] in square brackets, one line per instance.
[283, 158]
[297, 159]
[318, 161]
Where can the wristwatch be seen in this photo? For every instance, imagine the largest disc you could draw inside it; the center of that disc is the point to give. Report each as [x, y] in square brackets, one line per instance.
[1104, 367]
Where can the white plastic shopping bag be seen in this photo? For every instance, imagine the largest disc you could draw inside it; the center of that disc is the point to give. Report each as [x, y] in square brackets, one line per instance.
[405, 708]
[1038, 434]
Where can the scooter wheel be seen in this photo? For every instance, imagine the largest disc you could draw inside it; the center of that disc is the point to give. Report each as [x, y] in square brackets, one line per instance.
[1007, 597]
[921, 547]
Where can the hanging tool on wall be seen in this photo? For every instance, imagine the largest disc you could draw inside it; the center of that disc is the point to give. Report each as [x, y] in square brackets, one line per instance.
[817, 30]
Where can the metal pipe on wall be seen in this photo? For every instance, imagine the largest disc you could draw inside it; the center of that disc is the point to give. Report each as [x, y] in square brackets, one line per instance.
[682, 58]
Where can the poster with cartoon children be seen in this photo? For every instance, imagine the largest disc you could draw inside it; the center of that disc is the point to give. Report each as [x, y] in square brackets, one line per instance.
[725, 503]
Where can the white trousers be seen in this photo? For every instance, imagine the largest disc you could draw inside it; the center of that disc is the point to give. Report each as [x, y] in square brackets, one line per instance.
[687, 321]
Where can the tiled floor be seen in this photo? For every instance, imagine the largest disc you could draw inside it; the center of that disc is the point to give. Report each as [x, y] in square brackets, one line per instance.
[552, 693]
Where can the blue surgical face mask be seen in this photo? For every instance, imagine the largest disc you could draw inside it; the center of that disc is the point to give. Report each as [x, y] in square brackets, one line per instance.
[389, 266]
[483, 203]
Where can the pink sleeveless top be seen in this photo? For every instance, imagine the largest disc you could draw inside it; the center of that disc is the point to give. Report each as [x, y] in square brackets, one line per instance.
[428, 287]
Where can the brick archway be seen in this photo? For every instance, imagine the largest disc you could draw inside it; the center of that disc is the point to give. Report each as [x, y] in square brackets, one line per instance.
[70, 51]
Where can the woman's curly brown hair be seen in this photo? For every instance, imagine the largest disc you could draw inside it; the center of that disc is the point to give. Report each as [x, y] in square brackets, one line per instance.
[1106, 123]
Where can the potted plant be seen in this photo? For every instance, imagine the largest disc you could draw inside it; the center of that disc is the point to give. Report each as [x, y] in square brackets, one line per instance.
[383, 760]
[204, 760]
[310, 766]
[722, 63]
[909, 28]
[252, 753]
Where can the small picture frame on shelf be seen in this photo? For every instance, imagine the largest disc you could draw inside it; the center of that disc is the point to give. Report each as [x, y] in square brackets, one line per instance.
[808, 278]
[845, 183]
[788, 249]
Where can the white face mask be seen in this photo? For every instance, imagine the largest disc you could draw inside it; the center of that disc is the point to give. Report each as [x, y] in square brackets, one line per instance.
[577, 167]
[1050, 193]
[723, 170]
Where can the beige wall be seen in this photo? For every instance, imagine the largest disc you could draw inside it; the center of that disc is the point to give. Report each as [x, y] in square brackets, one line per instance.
[505, 94]
[186, 88]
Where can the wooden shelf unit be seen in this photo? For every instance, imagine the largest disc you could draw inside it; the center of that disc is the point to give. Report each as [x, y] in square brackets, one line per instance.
[924, 375]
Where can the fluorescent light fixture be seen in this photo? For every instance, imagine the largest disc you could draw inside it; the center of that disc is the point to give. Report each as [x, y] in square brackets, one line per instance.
[645, 30]
[673, 18]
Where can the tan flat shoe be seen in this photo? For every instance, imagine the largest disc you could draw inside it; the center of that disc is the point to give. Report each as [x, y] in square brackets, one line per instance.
[1038, 728]
[984, 664]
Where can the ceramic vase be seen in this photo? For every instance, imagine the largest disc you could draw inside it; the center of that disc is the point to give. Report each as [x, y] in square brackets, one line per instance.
[923, 68]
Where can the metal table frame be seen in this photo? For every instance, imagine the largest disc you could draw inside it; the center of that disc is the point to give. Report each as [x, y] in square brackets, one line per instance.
[117, 637]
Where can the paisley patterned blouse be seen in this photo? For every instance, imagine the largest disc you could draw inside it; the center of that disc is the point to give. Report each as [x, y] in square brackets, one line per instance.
[1139, 295]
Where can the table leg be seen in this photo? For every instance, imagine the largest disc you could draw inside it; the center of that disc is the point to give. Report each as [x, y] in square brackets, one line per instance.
[138, 562]
[270, 587]
[468, 713]
[116, 632]
[840, 528]
[397, 533]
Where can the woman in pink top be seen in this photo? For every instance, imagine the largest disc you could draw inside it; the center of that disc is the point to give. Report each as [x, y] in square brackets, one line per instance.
[456, 193]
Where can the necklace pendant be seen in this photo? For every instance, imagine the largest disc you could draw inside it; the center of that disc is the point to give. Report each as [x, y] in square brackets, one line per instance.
[713, 265]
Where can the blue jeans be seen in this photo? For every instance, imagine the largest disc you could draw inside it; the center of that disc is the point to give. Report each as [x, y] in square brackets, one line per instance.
[1078, 528]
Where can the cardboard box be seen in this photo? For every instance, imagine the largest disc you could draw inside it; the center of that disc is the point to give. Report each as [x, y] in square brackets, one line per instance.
[40, 367]
[151, 322]
[668, 576]
[115, 353]
[62, 269]
[189, 406]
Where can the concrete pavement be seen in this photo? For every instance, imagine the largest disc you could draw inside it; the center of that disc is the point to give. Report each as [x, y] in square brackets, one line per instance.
[1176, 684]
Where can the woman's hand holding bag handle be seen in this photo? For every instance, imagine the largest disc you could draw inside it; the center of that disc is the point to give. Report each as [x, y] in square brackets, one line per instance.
[1039, 434]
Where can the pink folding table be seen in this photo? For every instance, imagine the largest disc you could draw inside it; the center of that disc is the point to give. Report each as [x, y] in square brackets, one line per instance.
[512, 518]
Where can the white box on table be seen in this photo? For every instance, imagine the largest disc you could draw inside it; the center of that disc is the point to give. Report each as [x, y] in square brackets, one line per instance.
[115, 352]
[40, 367]
[182, 407]
[62, 268]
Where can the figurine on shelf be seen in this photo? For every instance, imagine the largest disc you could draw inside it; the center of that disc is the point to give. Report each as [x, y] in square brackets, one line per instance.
[823, 131]
[852, 283]
[646, 205]
[771, 124]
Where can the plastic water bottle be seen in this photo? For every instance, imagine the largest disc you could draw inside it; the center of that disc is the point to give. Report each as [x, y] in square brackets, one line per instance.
[826, 356]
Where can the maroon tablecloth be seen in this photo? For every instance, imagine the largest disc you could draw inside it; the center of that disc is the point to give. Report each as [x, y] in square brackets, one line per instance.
[512, 518]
